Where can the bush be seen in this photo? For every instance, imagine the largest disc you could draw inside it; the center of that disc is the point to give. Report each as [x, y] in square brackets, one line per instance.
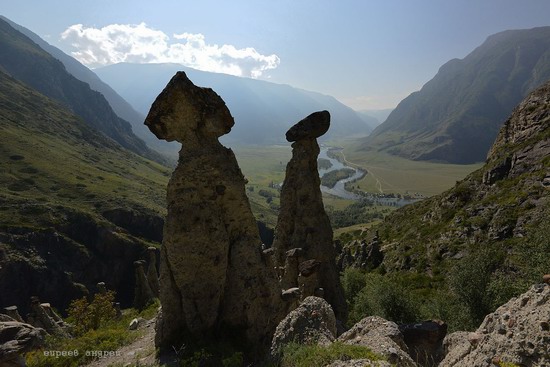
[384, 298]
[86, 316]
[469, 280]
[353, 280]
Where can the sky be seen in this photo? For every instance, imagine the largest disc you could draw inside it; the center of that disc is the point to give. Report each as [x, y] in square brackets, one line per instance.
[369, 54]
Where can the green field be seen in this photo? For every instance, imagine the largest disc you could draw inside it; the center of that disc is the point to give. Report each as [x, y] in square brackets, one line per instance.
[392, 174]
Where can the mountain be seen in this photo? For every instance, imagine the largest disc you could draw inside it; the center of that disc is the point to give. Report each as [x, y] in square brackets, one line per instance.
[474, 246]
[28, 62]
[122, 108]
[75, 207]
[375, 117]
[456, 116]
[263, 111]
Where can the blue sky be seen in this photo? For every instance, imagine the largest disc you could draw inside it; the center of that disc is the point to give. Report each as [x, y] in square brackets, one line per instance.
[369, 54]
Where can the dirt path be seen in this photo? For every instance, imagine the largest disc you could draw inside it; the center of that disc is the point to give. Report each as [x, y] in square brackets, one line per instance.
[140, 353]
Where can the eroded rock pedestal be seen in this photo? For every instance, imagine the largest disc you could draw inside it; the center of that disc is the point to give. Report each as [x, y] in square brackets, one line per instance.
[213, 278]
[302, 221]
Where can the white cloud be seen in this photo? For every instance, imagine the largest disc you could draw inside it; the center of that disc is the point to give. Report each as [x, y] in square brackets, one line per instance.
[116, 43]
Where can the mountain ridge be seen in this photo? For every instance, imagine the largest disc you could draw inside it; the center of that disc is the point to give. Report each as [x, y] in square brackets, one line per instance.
[62, 185]
[263, 111]
[484, 240]
[456, 116]
[28, 62]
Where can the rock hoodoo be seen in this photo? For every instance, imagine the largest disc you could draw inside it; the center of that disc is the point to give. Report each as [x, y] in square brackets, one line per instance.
[213, 275]
[143, 295]
[152, 274]
[302, 221]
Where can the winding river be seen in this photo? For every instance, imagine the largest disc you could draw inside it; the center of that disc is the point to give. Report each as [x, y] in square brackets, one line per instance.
[340, 191]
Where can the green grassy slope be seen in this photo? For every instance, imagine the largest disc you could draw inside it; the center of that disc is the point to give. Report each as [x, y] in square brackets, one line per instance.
[59, 179]
[26, 61]
[468, 250]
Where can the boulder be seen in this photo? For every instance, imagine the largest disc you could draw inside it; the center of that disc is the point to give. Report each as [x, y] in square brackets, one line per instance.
[514, 333]
[425, 341]
[313, 322]
[382, 337]
[312, 127]
[13, 312]
[303, 222]
[16, 339]
[214, 279]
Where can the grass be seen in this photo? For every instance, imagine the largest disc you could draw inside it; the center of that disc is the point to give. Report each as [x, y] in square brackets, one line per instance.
[108, 338]
[391, 174]
[295, 355]
[264, 166]
[356, 229]
[54, 159]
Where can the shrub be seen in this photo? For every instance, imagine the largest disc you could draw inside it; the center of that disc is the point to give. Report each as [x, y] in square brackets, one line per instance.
[353, 280]
[384, 298]
[469, 280]
[86, 316]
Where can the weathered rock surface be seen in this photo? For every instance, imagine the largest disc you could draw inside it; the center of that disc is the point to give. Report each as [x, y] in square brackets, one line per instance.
[43, 317]
[302, 221]
[213, 279]
[516, 332]
[17, 338]
[382, 337]
[313, 322]
[361, 254]
[505, 200]
[152, 273]
[60, 265]
[143, 295]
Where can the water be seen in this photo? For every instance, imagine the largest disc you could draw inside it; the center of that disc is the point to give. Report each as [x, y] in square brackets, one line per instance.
[340, 191]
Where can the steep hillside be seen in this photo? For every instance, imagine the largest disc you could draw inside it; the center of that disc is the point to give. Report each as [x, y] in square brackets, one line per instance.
[81, 72]
[486, 239]
[456, 116]
[75, 207]
[263, 111]
[26, 61]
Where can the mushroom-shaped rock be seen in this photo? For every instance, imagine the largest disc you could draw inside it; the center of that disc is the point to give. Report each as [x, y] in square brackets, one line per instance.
[303, 222]
[214, 279]
[143, 295]
[186, 113]
[312, 127]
